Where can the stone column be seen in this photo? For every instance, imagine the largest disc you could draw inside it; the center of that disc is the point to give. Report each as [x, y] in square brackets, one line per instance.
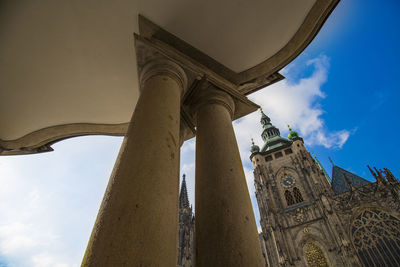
[226, 231]
[138, 219]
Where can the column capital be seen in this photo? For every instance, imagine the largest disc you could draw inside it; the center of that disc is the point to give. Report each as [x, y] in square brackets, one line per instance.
[165, 67]
[212, 95]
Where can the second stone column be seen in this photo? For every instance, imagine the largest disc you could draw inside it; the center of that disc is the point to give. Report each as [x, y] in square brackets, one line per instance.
[226, 232]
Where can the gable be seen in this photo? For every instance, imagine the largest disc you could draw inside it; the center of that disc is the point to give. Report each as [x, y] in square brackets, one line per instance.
[339, 184]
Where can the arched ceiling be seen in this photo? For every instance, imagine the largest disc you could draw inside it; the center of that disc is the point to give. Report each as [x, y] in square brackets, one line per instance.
[73, 63]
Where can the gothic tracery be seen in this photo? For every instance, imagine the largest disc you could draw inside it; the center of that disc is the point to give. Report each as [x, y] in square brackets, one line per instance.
[376, 237]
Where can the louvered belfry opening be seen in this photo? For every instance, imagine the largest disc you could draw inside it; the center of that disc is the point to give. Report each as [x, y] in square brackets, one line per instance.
[289, 198]
[297, 195]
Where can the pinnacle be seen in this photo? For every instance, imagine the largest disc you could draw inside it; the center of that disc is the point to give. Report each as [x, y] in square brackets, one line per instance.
[183, 195]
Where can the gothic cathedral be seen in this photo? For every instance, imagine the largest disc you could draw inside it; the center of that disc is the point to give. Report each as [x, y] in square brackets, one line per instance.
[308, 219]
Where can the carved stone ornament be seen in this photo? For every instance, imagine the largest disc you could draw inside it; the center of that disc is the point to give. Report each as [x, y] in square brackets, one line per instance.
[299, 215]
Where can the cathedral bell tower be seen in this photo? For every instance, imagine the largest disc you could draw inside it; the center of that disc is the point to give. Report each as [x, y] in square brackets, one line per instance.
[186, 229]
[298, 224]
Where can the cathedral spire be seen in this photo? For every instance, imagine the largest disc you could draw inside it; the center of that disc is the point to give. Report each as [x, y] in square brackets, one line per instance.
[271, 135]
[183, 196]
[269, 130]
[265, 120]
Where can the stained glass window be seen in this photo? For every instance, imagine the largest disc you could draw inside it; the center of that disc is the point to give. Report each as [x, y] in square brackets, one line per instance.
[314, 255]
[376, 238]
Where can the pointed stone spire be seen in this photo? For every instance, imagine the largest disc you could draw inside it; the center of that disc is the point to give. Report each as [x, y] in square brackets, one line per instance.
[373, 173]
[390, 177]
[378, 176]
[183, 196]
[381, 179]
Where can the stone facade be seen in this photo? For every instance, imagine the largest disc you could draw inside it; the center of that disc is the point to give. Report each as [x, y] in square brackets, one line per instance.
[309, 220]
[186, 229]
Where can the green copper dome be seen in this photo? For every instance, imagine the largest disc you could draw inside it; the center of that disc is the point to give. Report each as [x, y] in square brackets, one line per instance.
[292, 134]
[254, 148]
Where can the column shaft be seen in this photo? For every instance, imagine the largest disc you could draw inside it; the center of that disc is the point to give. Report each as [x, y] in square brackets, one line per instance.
[226, 232]
[138, 218]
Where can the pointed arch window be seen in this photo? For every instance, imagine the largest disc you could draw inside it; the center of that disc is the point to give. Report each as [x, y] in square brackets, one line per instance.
[289, 198]
[297, 195]
[376, 238]
[314, 255]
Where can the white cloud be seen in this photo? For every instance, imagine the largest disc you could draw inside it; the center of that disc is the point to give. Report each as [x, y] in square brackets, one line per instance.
[294, 103]
[47, 260]
[48, 202]
[189, 146]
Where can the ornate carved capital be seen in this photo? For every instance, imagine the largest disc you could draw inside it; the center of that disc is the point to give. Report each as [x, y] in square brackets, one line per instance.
[163, 67]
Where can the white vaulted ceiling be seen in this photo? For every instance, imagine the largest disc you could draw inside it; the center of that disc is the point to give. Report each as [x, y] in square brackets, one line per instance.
[64, 62]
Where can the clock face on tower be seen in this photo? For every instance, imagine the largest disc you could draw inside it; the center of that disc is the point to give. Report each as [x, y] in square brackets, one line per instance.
[288, 181]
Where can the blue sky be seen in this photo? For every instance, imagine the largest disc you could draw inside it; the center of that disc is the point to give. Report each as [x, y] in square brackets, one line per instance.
[341, 95]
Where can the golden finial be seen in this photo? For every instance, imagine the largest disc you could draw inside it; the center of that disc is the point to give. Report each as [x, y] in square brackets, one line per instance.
[252, 141]
[260, 108]
[289, 127]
